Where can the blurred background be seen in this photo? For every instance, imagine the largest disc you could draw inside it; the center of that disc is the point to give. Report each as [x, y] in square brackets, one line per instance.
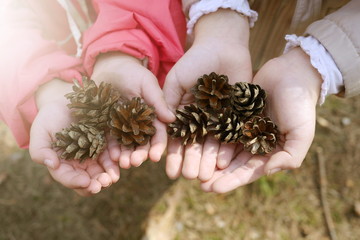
[145, 204]
[319, 201]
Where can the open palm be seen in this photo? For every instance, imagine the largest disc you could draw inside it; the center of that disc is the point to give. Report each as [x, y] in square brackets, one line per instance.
[293, 86]
[86, 178]
[200, 160]
[132, 79]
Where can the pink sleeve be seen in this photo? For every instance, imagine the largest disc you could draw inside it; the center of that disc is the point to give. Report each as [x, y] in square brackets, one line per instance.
[152, 29]
[26, 62]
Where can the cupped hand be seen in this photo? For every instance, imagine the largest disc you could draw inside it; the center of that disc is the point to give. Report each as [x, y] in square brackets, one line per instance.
[293, 88]
[132, 79]
[221, 46]
[86, 178]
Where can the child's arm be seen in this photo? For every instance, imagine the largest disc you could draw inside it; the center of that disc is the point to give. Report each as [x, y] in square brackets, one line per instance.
[294, 82]
[31, 98]
[133, 44]
[221, 46]
[293, 88]
[27, 60]
[86, 178]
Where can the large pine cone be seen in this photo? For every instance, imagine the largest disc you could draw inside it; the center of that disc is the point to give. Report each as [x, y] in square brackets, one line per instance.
[260, 135]
[212, 92]
[80, 142]
[247, 99]
[226, 127]
[131, 122]
[190, 125]
[91, 104]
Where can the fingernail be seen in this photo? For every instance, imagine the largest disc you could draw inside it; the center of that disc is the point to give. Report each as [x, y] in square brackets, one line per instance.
[272, 171]
[49, 163]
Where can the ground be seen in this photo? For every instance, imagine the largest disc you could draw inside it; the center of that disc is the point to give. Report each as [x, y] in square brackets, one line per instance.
[145, 204]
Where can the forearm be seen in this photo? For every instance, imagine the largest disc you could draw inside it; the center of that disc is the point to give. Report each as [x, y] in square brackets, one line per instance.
[340, 35]
[225, 25]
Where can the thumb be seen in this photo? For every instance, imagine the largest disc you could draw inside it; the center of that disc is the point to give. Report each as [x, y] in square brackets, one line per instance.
[40, 147]
[296, 146]
[154, 96]
[173, 91]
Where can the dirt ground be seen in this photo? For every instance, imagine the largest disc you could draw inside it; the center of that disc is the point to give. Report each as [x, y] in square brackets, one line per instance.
[146, 205]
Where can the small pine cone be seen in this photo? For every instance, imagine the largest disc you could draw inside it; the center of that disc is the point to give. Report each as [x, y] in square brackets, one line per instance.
[226, 126]
[190, 124]
[80, 142]
[212, 92]
[131, 122]
[91, 104]
[247, 99]
[260, 135]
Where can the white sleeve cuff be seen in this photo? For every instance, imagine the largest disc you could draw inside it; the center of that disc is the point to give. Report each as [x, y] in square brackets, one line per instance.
[321, 60]
[203, 7]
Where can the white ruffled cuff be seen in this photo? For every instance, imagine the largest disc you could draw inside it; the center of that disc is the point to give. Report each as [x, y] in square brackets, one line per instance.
[203, 7]
[321, 60]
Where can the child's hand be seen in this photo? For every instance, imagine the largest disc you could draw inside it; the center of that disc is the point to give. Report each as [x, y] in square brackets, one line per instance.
[132, 79]
[86, 178]
[221, 46]
[293, 88]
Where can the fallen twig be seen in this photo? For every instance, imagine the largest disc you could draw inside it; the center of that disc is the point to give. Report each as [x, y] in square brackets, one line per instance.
[323, 190]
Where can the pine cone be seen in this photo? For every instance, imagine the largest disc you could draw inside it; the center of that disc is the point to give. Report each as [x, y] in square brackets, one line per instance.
[259, 135]
[80, 142]
[226, 126]
[212, 92]
[190, 125]
[91, 104]
[247, 99]
[131, 122]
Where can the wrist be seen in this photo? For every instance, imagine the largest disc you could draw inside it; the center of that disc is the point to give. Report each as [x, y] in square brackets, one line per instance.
[52, 91]
[224, 26]
[299, 63]
[108, 64]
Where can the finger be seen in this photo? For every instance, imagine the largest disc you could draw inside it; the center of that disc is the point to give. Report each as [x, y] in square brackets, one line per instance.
[140, 155]
[158, 141]
[172, 90]
[114, 149]
[174, 158]
[191, 164]
[69, 177]
[104, 179]
[125, 157]
[296, 146]
[110, 166]
[94, 187]
[40, 147]
[208, 158]
[154, 96]
[240, 160]
[226, 153]
[244, 174]
[93, 169]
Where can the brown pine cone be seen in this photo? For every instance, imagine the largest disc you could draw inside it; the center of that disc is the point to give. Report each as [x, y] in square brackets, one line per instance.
[190, 125]
[80, 142]
[226, 126]
[91, 104]
[247, 99]
[212, 92]
[131, 122]
[260, 135]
